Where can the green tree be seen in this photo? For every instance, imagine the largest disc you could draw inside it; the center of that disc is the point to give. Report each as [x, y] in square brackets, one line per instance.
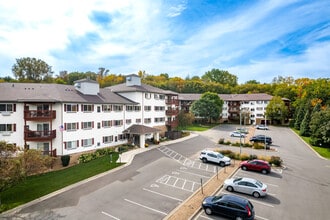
[320, 128]
[31, 70]
[276, 109]
[185, 119]
[304, 127]
[208, 107]
[220, 76]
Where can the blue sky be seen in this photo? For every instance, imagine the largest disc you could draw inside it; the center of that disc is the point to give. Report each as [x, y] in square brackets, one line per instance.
[254, 40]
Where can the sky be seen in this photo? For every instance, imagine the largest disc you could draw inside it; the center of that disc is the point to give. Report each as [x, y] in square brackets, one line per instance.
[251, 39]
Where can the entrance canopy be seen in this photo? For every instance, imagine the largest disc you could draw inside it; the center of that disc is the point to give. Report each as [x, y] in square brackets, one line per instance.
[140, 129]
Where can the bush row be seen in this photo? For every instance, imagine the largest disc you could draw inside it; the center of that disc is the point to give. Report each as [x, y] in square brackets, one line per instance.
[274, 160]
[84, 158]
[254, 145]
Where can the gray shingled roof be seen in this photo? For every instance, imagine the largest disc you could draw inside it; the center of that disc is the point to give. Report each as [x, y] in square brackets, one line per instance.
[229, 97]
[142, 88]
[140, 129]
[39, 92]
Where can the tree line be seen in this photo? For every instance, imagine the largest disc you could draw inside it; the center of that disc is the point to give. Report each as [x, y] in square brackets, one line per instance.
[309, 98]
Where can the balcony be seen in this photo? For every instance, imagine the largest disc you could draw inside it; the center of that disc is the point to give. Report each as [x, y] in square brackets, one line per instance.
[172, 112]
[39, 115]
[39, 135]
[172, 102]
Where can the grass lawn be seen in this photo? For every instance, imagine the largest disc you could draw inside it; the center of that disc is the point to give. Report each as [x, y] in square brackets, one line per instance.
[34, 187]
[324, 152]
[199, 127]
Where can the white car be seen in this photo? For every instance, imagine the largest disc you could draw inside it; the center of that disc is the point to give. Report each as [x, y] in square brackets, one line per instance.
[246, 185]
[237, 134]
[214, 157]
[262, 127]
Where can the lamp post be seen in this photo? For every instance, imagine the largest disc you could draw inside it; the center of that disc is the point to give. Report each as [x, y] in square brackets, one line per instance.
[265, 133]
[240, 136]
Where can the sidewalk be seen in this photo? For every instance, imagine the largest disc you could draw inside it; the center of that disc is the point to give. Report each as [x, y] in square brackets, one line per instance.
[128, 156]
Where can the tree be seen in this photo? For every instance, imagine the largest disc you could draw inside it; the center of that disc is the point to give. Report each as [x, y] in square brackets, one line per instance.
[31, 69]
[220, 76]
[320, 128]
[185, 119]
[304, 127]
[276, 109]
[10, 167]
[208, 107]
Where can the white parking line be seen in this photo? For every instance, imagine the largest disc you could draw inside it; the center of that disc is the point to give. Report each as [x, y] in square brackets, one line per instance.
[107, 214]
[194, 174]
[180, 200]
[146, 207]
[261, 203]
[259, 217]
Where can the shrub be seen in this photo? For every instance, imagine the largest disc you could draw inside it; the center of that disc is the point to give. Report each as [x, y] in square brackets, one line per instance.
[221, 141]
[258, 146]
[244, 157]
[227, 143]
[236, 144]
[253, 156]
[275, 160]
[65, 160]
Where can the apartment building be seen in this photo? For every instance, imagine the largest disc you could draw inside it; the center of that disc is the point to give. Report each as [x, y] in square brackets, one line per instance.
[249, 108]
[64, 119]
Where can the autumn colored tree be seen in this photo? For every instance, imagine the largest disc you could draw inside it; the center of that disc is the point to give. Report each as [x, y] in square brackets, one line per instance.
[220, 76]
[31, 70]
[276, 109]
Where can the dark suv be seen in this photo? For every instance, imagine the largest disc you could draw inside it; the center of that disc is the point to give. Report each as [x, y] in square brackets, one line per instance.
[229, 205]
[261, 139]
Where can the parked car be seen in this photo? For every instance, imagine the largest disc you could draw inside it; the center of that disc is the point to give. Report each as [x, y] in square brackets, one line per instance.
[242, 130]
[262, 127]
[256, 165]
[214, 157]
[246, 185]
[261, 139]
[237, 134]
[230, 206]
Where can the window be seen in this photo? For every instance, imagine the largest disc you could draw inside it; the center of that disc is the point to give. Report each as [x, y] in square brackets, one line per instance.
[117, 108]
[71, 145]
[70, 107]
[118, 122]
[98, 109]
[147, 95]
[87, 125]
[147, 108]
[7, 107]
[159, 108]
[107, 108]
[156, 96]
[147, 120]
[162, 119]
[7, 127]
[87, 142]
[128, 121]
[108, 139]
[129, 108]
[259, 102]
[259, 108]
[138, 120]
[137, 108]
[121, 137]
[87, 108]
[71, 126]
[260, 115]
[107, 124]
[162, 97]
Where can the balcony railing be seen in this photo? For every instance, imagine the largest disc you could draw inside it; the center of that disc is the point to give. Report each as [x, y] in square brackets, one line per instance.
[172, 102]
[39, 135]
[172, 112]
[37, 115]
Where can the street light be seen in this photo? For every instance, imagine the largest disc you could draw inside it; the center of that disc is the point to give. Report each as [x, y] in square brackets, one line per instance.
[265, 132]
[240, 136]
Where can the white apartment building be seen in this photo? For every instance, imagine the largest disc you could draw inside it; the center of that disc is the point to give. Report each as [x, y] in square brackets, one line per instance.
[252, 107]
[64, 119]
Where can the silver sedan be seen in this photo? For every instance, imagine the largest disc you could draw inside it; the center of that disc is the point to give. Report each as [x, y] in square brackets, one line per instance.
[246, 185]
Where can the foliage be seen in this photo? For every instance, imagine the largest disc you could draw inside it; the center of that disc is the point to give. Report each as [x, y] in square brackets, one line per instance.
[320, 128]
[304, 126]
[220, 76]
[87, 157]
[10, 167]
[33, 162]
[209, 106]
[31, 70]
[277, 161]
[185, 119]
[276, 109]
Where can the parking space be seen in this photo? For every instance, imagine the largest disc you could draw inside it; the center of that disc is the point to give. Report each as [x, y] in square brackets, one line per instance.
[171, 188]
[263, 206]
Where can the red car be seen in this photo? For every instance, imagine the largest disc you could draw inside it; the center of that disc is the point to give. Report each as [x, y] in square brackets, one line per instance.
[256, 165]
